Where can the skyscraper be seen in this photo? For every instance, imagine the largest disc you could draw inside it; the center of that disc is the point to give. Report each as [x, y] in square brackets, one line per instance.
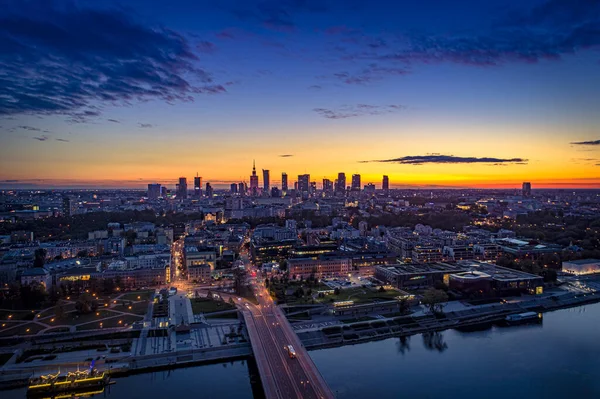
[182, 192]
[209, 190]
[327, 185]
[386, 183]
[266, 181]
[355, 182]
[284, 182]
[242, 188]
[253, 179]
[341, 183]
[304, 183]
[526, 189]
[233, 188]
[197, 186]
[153, 191]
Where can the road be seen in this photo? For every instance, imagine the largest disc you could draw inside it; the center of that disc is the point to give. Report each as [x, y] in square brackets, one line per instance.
[294, 377]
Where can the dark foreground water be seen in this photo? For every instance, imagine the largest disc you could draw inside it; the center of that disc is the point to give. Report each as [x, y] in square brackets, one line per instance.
[559, 358]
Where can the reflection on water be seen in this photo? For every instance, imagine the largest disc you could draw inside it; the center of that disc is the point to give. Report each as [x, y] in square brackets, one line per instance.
[555, 359]
[434, 341]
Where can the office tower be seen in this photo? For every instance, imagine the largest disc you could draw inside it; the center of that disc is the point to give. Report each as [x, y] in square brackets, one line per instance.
[253, 180]
[233, 188]
[341, 183]
[242, 188]
[266, 181]
[295, 186]
[386, 183]
[313, 187]
[275, 193]
[66, 206]
[527, 189]
[355, 182]
[209, 190]
[153, 191]
[304, 183]
[197, 186]
[284, 182]
[182, 190]
[370, 188]
[164, 191]
[327, 185]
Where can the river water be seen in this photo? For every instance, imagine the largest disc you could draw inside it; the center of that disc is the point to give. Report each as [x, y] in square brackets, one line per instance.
[559, 358]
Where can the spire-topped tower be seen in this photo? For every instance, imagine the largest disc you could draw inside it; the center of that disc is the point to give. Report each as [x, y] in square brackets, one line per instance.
[253, 167]
[254, 180]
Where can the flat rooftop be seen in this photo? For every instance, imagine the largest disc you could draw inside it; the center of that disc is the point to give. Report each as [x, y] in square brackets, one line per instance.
[583, 261]
[424, 268]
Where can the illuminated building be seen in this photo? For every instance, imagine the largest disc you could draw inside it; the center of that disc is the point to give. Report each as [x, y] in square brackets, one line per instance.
[182, 191]
[284, 182]
[526, 189]
[386, 183]
[327, 185]
[355, 182]
[209, 190]
[583, 266]
[304, 183]
[153, 191]
[266, 181]
[253, 180]
[197, 186]
[341, 183]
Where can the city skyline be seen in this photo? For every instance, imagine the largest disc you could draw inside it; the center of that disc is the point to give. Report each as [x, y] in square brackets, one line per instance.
[488, 95]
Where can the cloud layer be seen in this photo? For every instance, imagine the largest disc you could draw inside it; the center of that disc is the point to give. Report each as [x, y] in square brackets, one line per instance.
[72, 60]
[450, 159]
[592, 142]
[350, 111]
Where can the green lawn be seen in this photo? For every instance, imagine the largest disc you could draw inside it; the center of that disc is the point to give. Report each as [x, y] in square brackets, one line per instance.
[73, 318]
[360, 295]
[204, 305]
[67, 307]
[139, 308]
[112, 322]
[22, 329]
[145, 295]
[17, 314]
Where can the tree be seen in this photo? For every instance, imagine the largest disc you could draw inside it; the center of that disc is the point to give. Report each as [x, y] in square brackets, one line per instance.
[381, 289]
[82, 254]
[86, 304]
[39, 257]
[336, 291]
[434, 299]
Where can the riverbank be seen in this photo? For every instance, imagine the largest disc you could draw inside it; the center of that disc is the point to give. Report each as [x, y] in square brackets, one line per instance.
[382, 328]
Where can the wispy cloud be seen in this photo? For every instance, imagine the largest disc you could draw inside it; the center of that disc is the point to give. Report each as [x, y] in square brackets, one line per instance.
[63, 140]
[145, 125]
[114, 120]
[41, 138]
[30, 128]
[350, 111]
[592, 142]
[286, 155]
[449, 159]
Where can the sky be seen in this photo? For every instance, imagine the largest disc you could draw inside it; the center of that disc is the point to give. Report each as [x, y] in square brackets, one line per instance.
[433, 94]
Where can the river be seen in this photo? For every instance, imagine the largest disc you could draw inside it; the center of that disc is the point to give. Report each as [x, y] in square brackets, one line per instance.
[559, 358]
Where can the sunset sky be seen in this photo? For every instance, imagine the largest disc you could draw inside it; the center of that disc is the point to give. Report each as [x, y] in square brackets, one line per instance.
[431, 93]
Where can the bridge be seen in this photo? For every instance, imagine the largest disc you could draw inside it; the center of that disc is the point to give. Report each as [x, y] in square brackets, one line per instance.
[270, 333]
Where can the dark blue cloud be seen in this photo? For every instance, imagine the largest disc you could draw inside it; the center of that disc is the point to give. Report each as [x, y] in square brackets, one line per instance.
[41, 138]
[60, 58]
[591, 142]
[449, 159]
[145, 125]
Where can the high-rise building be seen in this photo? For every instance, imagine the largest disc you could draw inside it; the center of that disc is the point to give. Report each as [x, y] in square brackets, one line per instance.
[355, 182]
[233, 188]
[275, 193]
[284, 182]
[526, 189]
[242, 188]
[386, 183]
[153, 191]
[66, 206]
[164, 192]
[327, 185]
[197, 186]
[266, 181]
[341, 183]
[209, 190]
[182, 191]
[304, 183]
[253, 180]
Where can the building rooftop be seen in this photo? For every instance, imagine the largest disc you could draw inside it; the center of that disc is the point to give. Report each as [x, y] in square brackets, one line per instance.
[583, 261]
[419, 268]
